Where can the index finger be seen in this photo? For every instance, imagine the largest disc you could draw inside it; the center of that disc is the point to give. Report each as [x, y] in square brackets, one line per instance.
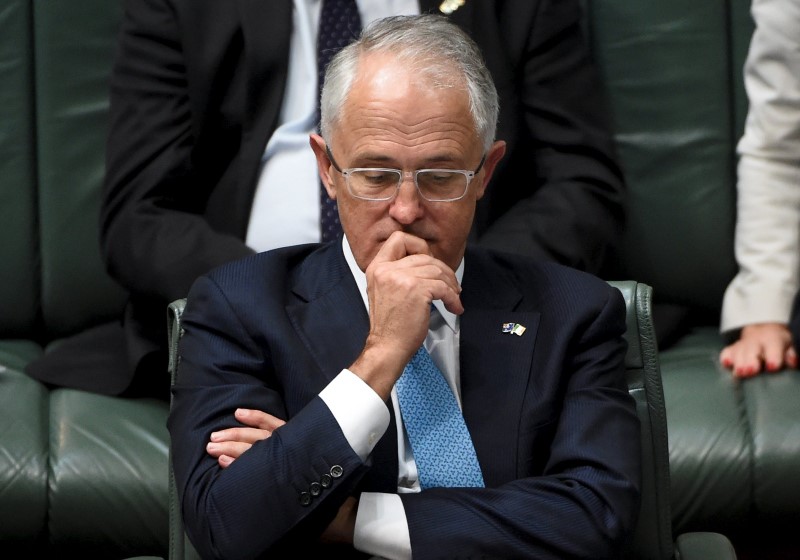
[258, 419]
[240, 435]
[399, 245]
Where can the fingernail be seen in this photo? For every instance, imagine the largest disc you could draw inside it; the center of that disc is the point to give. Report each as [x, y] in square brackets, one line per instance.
[214, 436]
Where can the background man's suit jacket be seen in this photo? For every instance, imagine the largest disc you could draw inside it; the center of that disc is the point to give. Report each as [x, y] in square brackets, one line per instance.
[195, 95]
[553, 425]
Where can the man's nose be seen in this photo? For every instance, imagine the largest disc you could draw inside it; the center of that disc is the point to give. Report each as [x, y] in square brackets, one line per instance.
[407, 205]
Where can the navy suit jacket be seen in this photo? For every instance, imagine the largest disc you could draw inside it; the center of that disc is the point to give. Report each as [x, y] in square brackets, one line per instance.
[551, 419]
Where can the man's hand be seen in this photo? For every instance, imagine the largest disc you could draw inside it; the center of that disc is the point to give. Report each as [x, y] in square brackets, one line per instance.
[402, 281]
[343, 526]
[227, 445]
[761, 347]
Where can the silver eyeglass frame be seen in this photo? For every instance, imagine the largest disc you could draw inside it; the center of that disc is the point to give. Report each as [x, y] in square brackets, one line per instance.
[470, 175]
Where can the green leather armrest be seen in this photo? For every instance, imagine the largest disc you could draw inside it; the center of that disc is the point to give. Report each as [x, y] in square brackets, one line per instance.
[703, 546]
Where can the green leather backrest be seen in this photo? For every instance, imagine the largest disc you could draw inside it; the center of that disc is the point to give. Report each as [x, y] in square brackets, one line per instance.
[74, 45]
[55, 60]
[673, 71]
[18, 273]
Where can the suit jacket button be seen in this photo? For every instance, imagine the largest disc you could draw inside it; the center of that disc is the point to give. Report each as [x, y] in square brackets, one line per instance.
[336, 471]
[315, 489]
[305, 498]
[325, 480]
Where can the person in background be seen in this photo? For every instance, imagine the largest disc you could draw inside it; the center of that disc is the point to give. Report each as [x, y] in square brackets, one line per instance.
[757, 305]
[211, 106]
[541, 442]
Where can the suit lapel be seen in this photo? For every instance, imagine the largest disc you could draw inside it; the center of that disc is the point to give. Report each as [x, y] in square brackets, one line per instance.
[495, 365]
[328, 314]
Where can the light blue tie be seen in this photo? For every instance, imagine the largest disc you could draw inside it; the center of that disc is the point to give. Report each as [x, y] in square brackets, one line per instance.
[439, 437]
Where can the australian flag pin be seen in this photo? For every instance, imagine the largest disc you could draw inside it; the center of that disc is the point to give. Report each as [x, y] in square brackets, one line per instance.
[513, 328]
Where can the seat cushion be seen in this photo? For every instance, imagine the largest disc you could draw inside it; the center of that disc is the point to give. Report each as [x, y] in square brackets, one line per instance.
[734, 444]
[23, 447]
[109, 475]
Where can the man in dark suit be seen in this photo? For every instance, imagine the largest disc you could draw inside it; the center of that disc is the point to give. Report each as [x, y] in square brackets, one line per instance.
[318, 336]
[200, 88]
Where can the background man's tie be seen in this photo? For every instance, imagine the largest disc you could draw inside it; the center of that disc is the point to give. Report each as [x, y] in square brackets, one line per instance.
[439, 437]
[339, 25]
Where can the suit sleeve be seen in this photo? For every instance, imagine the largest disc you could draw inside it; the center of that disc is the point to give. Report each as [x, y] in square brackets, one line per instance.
[154, 237]
[585, 501]
[265, 500]
[563, 173]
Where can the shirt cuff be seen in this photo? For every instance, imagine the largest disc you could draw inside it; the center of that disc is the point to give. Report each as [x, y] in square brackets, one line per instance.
[361, 413]
[381, 527]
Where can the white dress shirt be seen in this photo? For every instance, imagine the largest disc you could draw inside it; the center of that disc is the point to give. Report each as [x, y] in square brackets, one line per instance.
[381, 525]
[767, 242]
[285, 208]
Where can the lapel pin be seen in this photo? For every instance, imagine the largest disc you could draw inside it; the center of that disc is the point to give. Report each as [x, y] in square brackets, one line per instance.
[513, 328]
[449, 6]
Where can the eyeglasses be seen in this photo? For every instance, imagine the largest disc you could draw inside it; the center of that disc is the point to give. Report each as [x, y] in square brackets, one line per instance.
[379, 184]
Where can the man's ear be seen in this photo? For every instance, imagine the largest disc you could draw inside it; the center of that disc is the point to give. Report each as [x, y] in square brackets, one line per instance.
[324, 164]
[493, 157]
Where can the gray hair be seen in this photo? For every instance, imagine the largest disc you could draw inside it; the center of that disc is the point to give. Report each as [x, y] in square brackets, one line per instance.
[436, 48]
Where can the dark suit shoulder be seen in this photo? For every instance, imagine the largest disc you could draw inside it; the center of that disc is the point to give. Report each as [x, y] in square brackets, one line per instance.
[307, 271]
[535, 274]
[276, 261]
[560, 294]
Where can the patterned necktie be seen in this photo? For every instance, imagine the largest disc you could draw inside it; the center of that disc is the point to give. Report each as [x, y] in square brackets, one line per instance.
[439, 437]
[339, 25]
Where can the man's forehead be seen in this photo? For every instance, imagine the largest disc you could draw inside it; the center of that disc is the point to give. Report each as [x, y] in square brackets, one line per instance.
[390, 103]
[393, 91]
[432, 72]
